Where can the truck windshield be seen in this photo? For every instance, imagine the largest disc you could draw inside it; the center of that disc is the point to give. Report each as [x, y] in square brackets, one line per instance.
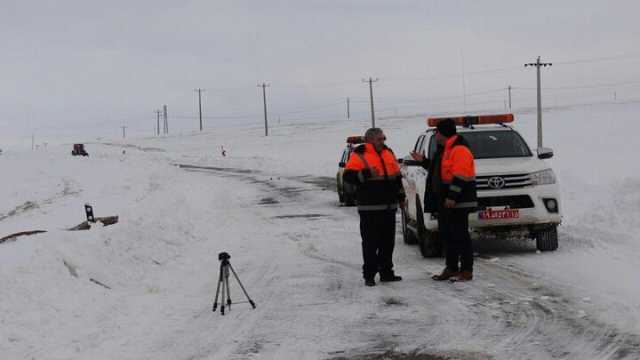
[492, 144]
[496, 144]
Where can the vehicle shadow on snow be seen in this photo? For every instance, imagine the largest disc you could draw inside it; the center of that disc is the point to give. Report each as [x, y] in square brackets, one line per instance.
[486, 246]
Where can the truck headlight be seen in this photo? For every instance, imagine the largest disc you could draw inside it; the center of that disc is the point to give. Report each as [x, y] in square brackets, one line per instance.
[543, 177]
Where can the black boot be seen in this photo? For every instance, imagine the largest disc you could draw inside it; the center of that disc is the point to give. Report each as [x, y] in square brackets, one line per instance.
[369, 282]
[390, 277]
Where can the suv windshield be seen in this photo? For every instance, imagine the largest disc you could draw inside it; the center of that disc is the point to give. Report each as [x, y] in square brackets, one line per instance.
[493, 144]
[496, 144]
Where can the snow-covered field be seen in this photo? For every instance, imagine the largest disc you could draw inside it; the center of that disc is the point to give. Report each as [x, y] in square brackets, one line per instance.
[143, 288]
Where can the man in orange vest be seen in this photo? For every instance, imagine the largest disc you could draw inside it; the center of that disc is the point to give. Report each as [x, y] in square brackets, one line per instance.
[374, 169]
[451, 193]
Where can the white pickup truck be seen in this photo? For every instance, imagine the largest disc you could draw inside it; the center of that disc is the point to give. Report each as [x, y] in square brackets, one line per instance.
[517, 192]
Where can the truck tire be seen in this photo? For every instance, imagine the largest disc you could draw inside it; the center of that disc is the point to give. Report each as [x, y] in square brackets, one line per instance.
[547, 240]
[428, 241]
[408, 236]
[349, 200]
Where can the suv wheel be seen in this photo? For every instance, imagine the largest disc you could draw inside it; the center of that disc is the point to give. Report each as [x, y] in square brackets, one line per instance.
[428, 241]
[349, 200]
[408, 236]
[339, 190]
[547, 240]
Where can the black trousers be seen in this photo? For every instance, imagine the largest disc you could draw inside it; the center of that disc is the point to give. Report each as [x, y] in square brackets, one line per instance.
[378, 232]
[453, 225]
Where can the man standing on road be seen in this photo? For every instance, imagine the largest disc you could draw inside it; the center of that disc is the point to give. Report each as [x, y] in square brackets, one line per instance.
[374, 169]
[451, 192]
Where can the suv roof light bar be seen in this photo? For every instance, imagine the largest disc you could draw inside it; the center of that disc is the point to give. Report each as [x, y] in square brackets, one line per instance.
[469, 121]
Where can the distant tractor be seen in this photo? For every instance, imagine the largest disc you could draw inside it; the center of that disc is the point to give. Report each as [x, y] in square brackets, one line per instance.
[78, 149]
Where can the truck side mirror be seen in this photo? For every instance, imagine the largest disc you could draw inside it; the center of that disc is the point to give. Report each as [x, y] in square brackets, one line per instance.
[545, 153]
[341, 164]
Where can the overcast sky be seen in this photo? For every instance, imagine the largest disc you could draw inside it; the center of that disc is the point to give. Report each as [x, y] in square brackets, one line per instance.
[93, 66]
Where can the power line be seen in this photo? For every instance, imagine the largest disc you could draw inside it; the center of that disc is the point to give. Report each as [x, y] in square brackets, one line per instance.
[311, 109]
[599, 59]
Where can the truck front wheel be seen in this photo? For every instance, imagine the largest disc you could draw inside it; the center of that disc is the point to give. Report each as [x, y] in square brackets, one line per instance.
[408, 236]
[428, 241]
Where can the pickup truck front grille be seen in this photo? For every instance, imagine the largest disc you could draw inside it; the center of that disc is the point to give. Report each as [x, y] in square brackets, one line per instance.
[498, 182]
[513, 202]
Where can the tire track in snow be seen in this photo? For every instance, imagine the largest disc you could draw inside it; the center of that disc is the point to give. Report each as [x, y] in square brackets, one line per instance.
[547, 313]
[69, 188]
[517, 317]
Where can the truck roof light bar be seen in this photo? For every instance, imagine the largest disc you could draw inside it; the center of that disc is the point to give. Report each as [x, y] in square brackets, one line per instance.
[469, 121]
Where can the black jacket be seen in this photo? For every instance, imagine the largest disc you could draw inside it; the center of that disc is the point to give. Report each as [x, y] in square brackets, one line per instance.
[436, 192]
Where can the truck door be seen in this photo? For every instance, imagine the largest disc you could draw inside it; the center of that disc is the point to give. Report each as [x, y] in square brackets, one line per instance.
[416, 177]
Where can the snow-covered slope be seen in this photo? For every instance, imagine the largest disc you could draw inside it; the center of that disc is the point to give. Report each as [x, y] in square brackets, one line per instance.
[143, 288]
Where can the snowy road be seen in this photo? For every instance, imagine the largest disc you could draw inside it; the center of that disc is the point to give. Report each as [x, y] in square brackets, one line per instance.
[298, 254]
[316, 289]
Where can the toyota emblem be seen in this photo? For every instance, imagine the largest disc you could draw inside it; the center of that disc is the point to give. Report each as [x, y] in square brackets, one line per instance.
[496, 182]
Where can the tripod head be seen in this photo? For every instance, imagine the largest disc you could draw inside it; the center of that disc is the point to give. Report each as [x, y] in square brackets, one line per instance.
[224, 257]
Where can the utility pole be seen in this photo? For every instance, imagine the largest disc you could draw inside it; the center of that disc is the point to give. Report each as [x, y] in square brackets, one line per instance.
[264, 100]
[348, 110]
[464, 84]
[538, 64]
[200, 105]
[33, 141]
[509, 89]
[158, 112]
[166, 120]
[124, 135]
[373, 114]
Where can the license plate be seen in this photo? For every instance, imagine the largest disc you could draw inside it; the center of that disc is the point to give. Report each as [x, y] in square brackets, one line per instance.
[496, 214]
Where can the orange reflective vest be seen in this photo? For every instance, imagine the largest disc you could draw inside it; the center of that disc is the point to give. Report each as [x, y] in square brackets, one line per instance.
[381, 165]
[458, 173]
[383, 189]
[457, 161]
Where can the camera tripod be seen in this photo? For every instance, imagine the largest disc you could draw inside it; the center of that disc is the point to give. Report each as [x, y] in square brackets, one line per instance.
[223, 281]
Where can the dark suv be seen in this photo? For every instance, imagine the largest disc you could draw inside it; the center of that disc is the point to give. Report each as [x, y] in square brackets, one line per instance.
[346, 191]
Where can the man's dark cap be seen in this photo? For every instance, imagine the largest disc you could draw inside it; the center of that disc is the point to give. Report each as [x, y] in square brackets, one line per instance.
[446, 127]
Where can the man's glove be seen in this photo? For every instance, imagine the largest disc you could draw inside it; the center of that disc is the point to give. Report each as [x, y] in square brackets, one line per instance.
[364, 174]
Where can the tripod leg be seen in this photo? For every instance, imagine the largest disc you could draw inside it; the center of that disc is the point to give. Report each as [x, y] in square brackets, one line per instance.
[226, 275]
[215, 302]
[222, 299]
[242, 287]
